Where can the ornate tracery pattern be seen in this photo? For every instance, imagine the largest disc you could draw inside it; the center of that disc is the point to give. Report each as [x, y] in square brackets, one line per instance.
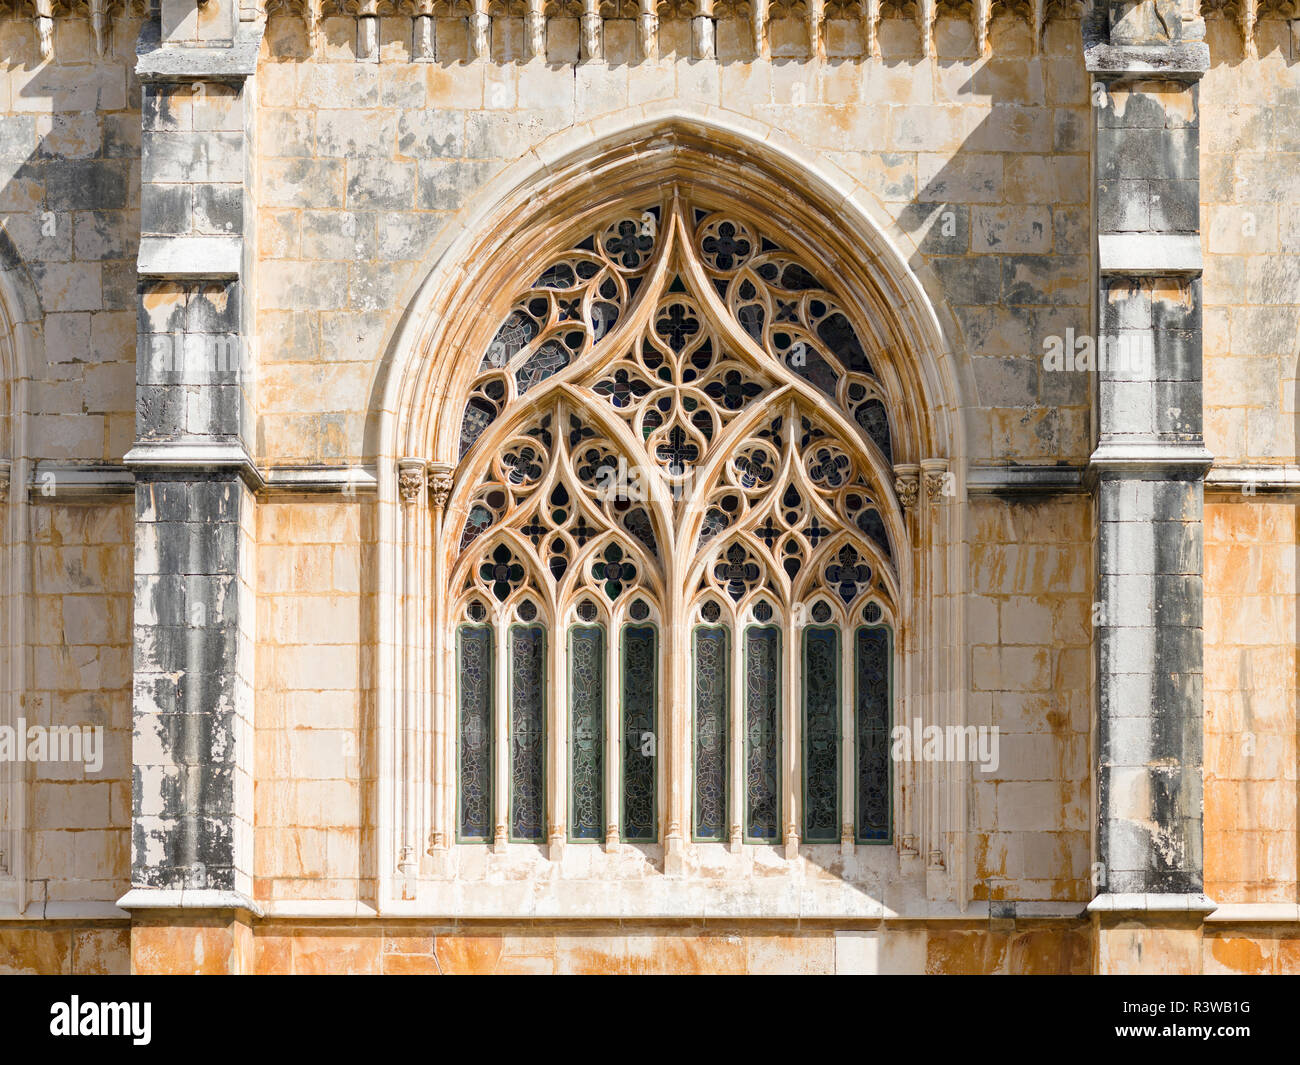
[678, 410]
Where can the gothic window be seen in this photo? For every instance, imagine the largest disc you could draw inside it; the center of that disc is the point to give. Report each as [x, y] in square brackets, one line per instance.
[669, 520]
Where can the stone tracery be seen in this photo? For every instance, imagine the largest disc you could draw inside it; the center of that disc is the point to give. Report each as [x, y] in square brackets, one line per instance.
[677, 410]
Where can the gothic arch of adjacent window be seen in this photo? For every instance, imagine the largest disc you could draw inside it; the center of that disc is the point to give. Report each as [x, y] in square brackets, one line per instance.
[669, 588]
[19, 308]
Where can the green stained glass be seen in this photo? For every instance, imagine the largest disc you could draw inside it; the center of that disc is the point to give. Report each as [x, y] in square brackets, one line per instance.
[586, 732]
[762, 736]
[474, 731]
[710, 743]
[821, 734]
[872, 723]
[640, 743]
[527, 733]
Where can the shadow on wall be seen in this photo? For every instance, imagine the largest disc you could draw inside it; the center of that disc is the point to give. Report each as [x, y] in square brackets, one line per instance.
[70, 220]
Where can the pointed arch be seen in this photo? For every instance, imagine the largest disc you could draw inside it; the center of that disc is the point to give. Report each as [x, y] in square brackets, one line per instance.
[860, 354]
[20, 349]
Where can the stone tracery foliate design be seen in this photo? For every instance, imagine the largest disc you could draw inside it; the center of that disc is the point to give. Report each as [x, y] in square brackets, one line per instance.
[678, 409]
[679, 323]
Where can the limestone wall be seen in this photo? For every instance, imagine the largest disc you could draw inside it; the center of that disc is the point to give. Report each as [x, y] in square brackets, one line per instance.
[1250, 221]
[69, 200]
[79, 822]
[982, 164]
[314, 793]
[1029, 629]
[1250, 701]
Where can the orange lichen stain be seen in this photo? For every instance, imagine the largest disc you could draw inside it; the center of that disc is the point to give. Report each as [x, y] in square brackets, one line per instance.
[468, 955]
[965, 953]
[1119, 291]
[1287, 961]
[198, 950]
[1172, 291]
[1174, 100]
[1240, 955]
[34, 952]
[161, 294]
[1051, 951]
[217, 295]
[273, 955]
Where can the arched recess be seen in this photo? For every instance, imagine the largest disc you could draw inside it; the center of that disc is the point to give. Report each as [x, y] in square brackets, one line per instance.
[858, 346]
[19, 334]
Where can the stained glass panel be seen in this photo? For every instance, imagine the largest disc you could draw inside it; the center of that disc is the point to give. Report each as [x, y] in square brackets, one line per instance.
[872, 784]
[586, 732]
[762, 747]
[821, 734]
[528, 733]
[640, 742]
[711, 662]
[474, 731]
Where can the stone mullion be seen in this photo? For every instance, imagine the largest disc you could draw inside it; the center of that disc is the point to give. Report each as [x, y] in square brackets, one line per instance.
[501, 737]
[792, 735]
[678, 822]
[1148, 469]
[848, 736]
[557, 739]
[613, 715]
[737, 718]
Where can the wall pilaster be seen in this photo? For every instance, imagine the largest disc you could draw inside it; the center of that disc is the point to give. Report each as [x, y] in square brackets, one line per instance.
[1148, 469]
[192, 819]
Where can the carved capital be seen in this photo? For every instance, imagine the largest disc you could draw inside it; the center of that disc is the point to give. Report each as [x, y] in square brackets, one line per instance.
[440, 482]
[907, 484]
[938, 481]
[411, 479]
[934, 483]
